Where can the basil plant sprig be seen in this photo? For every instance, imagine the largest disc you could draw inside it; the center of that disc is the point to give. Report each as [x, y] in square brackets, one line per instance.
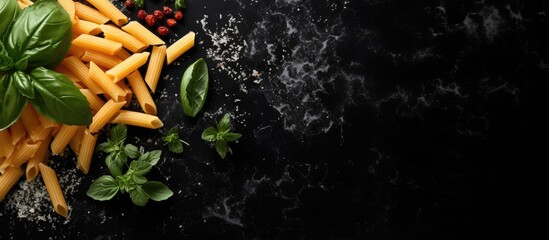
[133, 181]
[180, 4]
[175, 144]
[221, 136]
[34, 41]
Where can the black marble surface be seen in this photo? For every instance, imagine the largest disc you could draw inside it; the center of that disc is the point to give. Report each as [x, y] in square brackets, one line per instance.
[362, 119]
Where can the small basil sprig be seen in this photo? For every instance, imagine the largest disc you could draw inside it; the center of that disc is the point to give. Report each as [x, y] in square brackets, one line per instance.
[34, 42]
[194, 87]
[175, 144]
[133, 181]
[221, 136]
[180, 4]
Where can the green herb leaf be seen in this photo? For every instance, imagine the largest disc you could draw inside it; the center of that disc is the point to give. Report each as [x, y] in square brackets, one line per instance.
[104, 188]
[180, 4]
[139, 197]
[42, 33]
[114, 167]
[118, 134]
[175, 147]
[157, 191]
[131, 151]
[209, 134]
[6, 63]
[231, 137]
[221, 148]
[11, 101]
[151, 157]
[194, 87]
[139, 179]
[140, 167]
[56, 97]
[224, 124]
[8, 10]
[24, 84]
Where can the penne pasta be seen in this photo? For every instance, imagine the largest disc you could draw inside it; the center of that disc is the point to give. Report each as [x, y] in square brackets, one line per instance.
[101, 59]
[8, 179]
[6, 147]
[128, 66]
[40, 156]
[63, 138]
[29, 118]
[142, 33]
[48, 123]
[154, 69]
[105, 114]
[41, 133]
[89, 14]
[81, 72]
[76, 51]
[17, 131]
[76, 140]
[86, 27]
[138, 119]
[95, 102]
[110, 11]
[123, 54]
[86, 151]
[179, 47]
[54, 190]
[108, 86]
[97, 44]
[128, 41]
[24, 151]
[142, 93]
[127, 90]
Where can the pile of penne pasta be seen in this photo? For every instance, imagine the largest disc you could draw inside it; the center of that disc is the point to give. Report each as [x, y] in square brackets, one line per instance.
[104, 59]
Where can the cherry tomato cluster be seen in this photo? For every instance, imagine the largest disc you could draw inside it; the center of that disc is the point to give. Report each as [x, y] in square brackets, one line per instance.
[166, 13]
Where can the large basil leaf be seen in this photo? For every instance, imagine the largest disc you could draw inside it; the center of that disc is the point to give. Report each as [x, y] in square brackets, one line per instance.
[8, 11]
[56, 97]
[41, 33]
[11, 101]
[194, 87]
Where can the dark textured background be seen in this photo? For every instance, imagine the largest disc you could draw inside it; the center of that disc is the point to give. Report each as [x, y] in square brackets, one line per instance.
[382, 119]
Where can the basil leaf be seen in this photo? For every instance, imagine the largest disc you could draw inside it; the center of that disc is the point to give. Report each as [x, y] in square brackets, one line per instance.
[140, 167]
[6, 63]
[151, 157]
[157, 191]
[209, 134]
[114, 168]
[11, 101]
[224, 124]
[139, 179]
[180, 4]
[42, 33]
[56, 97]
[104, 188]
[118, 134]
[221, 148]
[231, 137]
[139, 197]
[194, 87]
[24, 84]
[8, 10]
[176, 146]
[131, 151]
